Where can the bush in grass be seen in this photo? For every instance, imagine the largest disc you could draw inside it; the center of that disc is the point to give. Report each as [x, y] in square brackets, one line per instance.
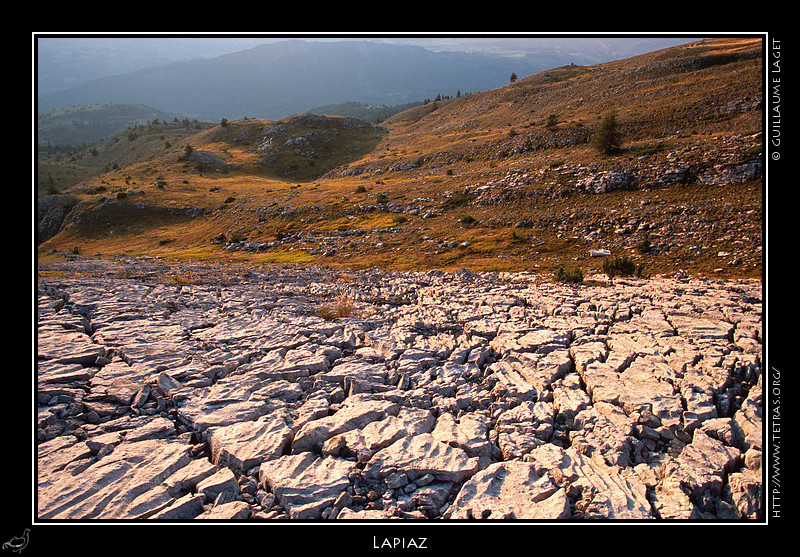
[622, 266]
[458, 199]
[644, 246]
[573, 276]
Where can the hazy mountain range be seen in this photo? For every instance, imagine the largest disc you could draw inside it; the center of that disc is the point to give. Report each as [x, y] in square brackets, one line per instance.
[232, 77]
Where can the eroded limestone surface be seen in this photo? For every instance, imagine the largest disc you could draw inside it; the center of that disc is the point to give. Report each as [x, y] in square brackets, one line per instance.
[216, 393]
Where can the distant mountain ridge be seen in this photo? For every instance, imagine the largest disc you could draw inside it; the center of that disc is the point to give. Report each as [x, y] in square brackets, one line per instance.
[280, 79]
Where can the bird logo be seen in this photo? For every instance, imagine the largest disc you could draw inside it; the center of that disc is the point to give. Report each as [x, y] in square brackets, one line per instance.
[18, 543]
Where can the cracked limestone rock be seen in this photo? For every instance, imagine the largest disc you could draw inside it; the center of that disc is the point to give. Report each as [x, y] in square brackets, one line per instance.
[510, 490]
[444, 396]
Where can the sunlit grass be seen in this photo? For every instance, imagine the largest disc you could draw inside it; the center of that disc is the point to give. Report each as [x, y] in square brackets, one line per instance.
[343, 306]
[286, 257]
[461, 148]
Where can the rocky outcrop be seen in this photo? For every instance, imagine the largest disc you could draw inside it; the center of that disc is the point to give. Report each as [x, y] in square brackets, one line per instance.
[438, 396]
[51, 212]
[310, 136]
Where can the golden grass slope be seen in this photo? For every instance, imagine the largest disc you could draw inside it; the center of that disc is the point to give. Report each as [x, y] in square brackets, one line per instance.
[412, 195]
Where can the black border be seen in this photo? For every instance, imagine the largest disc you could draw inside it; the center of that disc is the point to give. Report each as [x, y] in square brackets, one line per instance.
[340, 537]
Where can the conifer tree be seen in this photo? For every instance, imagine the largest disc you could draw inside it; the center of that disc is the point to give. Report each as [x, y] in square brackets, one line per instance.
[607, 138]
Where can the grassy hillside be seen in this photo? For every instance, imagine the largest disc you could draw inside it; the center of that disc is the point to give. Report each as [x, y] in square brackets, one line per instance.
[506, 180]
[363, 111]
[77, 125]
[62, 167]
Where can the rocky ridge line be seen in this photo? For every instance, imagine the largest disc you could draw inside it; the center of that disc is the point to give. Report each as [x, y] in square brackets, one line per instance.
[230, 394]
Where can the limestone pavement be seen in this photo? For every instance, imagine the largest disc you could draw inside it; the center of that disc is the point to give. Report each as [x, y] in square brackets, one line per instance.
[282, 393]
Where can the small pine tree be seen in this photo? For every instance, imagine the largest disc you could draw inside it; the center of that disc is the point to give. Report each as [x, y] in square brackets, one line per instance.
[187, 151]
[607, 138]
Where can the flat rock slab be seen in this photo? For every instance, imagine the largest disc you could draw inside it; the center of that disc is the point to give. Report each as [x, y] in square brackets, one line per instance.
[419, 455]
[126, 483]
[306, 484]
[68, 347]
[596, 489]
[366, 441]
[244, 445]
[510, 490]
[356, 412]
